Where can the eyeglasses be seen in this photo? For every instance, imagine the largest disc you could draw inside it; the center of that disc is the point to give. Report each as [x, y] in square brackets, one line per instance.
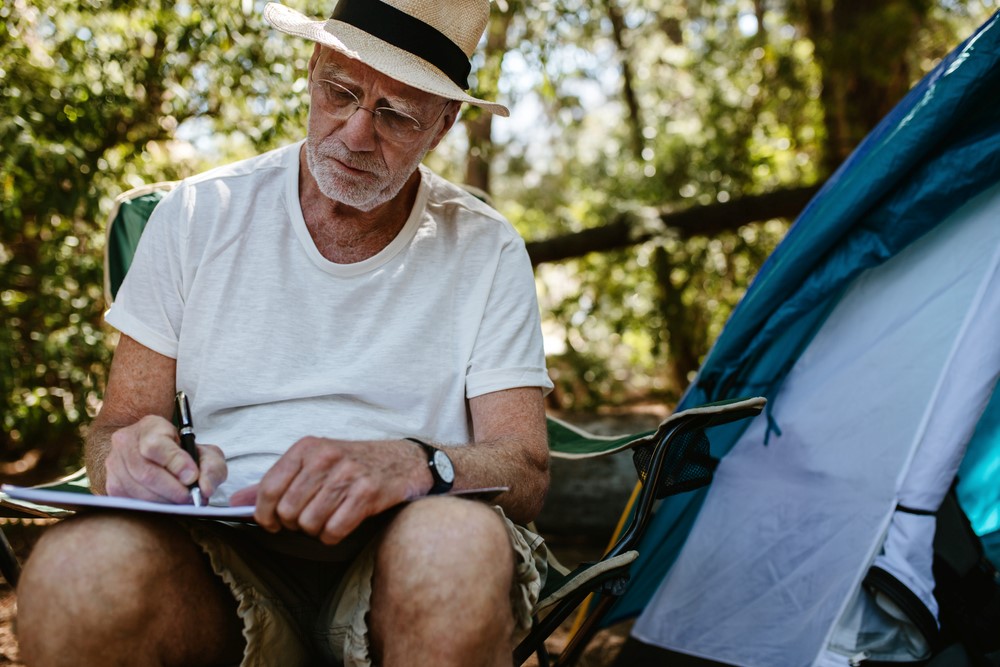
[340, 104]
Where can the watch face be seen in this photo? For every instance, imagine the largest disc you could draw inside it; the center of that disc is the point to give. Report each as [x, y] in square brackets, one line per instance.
[444, 467]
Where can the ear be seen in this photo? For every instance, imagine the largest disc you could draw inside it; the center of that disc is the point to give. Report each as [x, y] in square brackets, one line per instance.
[448, 119]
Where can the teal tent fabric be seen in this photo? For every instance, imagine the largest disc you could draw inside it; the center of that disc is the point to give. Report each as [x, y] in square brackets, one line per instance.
[979, 480]
[937, 149]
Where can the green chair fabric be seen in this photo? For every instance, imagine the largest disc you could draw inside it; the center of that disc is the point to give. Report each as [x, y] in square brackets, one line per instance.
[125, 226]
[77, 482]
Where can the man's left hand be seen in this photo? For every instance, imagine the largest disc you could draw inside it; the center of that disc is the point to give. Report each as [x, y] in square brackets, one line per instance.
[326, 488]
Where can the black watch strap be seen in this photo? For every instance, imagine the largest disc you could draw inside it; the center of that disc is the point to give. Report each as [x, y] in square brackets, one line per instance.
[440, 465]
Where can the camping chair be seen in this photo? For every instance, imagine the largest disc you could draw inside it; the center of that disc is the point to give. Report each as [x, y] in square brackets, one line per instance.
[671, 459]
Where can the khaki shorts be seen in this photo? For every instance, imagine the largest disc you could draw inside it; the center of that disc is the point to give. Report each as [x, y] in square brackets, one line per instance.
[305, 604]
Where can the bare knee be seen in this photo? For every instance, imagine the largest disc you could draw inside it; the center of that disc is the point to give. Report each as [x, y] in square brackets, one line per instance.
[104, 581]
[86, 554]
[460, 535]
[99, 553]
[443, 568]
[84, 571]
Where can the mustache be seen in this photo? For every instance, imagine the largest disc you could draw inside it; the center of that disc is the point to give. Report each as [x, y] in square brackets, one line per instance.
[333, 148]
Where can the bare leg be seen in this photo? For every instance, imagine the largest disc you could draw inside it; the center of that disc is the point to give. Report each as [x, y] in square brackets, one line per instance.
[114, 589]
[442, 587]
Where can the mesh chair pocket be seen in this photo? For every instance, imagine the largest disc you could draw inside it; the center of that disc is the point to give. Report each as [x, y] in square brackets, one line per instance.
[688, 464]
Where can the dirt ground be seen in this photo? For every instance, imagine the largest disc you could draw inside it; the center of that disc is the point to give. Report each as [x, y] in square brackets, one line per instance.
[600, 652]
[8, 643]
[22, 535]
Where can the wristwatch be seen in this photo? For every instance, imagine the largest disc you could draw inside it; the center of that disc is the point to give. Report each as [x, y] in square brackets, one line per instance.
[442, 469]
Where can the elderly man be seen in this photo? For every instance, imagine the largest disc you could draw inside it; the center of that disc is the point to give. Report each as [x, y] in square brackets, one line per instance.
[357, 337]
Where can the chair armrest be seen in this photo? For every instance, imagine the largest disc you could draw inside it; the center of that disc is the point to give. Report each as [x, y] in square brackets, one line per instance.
[567, 441]
[77, 482]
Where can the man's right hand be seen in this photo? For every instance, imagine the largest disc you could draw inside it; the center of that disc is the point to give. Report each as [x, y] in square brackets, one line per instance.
[146, 462]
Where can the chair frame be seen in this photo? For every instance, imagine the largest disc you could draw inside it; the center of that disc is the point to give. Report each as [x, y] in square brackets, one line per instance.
[611, 585]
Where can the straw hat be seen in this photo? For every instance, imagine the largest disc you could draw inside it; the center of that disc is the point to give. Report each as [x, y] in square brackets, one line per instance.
[422, 43]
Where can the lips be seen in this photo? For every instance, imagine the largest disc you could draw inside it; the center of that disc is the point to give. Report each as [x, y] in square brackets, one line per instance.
[348, 168]
[352, 164]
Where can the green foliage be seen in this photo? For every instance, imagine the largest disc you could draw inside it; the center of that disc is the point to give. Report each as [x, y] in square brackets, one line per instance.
[97, 97]
[91, 97]
[730, 105]
[723, 115]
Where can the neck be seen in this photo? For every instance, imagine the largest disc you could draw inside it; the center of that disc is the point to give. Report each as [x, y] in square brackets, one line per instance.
[344, 234]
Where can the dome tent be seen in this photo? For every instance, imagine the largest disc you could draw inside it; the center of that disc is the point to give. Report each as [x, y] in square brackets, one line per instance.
[873, 332]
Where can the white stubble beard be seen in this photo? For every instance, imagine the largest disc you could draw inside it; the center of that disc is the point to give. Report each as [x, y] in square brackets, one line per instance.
[363, 194]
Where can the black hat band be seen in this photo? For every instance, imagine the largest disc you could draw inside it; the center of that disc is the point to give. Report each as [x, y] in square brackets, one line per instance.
[408, 33]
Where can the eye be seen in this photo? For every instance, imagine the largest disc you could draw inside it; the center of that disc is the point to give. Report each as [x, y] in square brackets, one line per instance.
[340, 97]
[336, 94]
[397, 121]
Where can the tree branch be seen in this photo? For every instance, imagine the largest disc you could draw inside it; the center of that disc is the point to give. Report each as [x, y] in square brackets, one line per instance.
[628, 79]
[627, 230]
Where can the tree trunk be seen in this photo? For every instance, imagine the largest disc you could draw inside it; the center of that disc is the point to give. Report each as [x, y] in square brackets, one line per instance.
[685, 328]
[478, 123]
[862, 48]
[628, 87]
[625, 230]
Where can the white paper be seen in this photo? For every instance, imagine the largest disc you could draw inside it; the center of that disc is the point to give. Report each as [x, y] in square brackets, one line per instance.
[74, 501]
[71, 500]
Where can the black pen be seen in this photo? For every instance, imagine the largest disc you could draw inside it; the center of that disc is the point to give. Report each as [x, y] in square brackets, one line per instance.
[186, 431]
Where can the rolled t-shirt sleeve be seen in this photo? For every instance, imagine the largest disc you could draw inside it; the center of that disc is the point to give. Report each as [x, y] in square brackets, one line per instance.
[508, 351]
[149, 307]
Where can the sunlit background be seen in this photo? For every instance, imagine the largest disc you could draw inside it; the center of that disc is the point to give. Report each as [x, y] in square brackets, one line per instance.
[695, 131]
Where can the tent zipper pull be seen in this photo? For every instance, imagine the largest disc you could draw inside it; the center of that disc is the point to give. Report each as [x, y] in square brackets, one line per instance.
[858, 659]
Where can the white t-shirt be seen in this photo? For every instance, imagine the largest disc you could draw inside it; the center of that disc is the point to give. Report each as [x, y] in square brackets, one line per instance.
[274, 343]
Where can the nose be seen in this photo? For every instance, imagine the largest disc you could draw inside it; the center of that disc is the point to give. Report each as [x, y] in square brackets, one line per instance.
[358, 131]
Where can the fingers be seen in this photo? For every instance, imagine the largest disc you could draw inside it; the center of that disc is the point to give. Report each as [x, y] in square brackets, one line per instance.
[301, 493]
[333, 509]
[272, 489]
[245, 496]
[146, 462]
[143, 482]
[324, 488]
[328, 499]
[292, 484]
[213, 469]
[348, 515]
[134, 464]
[160, 445]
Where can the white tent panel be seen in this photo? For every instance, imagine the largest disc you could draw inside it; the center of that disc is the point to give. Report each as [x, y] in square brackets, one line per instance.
[963, 391]
[788, 529]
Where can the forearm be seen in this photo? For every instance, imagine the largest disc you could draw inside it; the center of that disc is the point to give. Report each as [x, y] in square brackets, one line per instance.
[511, 462]
[510, 448]
[141, 383]
[95, 453]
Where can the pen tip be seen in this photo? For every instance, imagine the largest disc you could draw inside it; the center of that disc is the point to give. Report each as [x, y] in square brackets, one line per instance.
[196, 497]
